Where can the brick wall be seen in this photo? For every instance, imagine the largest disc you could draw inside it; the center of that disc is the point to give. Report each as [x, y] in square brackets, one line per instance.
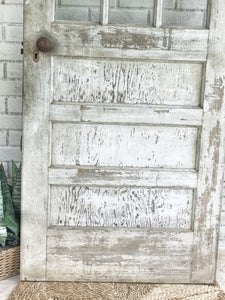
[11, 36]
[11, 18]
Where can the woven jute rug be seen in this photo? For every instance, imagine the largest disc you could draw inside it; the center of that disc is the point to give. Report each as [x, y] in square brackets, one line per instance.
[114, 291]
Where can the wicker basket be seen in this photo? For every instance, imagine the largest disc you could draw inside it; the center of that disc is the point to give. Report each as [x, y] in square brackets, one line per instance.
[9, 262]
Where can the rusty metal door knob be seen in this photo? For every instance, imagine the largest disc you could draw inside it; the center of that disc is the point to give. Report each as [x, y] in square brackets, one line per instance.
[43, 44]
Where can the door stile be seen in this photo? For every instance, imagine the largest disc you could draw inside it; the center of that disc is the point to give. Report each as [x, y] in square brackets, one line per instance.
[207, 213]
[35, 142]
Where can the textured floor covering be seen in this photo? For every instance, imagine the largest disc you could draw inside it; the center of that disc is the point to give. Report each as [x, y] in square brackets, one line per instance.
[114, 291]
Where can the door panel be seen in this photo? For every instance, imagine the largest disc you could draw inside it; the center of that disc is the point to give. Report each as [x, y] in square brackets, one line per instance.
[121, 207]
[123, 146]
[126, 82]
[123, 141]
[154, 256]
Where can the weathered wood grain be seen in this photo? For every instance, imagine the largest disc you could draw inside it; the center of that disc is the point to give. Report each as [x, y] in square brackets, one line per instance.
[163, 115]
[128, 37]
[120, 177]
[123, 146]
[211, 162]
[120, 207]
[109, 150]
[103, 81]
[148, 255]
[108, 53]
[38, 16]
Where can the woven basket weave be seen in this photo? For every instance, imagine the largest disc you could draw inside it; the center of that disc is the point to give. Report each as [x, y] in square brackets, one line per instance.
[9, 262]
[114, 291]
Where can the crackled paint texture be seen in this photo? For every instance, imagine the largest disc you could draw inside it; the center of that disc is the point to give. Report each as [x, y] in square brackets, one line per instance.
[100, 81]
[123, 146]
[123, 140]
[121, 207]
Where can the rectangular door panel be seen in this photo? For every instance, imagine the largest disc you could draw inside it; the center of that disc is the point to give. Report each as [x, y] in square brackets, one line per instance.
[120, 207]
[126, 82]
[148, 255]
[123, 146]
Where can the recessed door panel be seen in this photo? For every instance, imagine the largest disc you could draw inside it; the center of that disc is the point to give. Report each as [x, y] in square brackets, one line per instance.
[121, 207]
[123, 146]
[127, 82]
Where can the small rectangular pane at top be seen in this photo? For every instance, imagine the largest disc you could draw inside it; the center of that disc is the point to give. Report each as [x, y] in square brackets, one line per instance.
[131, 12]
[78, 10]
[185, 13]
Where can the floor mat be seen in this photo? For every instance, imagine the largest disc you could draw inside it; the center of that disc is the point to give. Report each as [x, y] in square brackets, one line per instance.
[114, 291]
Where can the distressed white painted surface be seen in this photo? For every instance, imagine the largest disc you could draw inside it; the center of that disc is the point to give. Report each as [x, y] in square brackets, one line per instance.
[113, 154]
[123, 146]
[211, 160]
[103, 81]
[135, 114]
[128, 37]
[120, 177]
[120, 207]
[35, 144]
[109, 255]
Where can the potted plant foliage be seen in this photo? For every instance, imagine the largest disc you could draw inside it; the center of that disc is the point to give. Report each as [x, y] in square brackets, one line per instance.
[10, 196]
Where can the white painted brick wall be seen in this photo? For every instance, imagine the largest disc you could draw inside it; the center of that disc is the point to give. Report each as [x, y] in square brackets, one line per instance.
[11, 34]
[11, 37]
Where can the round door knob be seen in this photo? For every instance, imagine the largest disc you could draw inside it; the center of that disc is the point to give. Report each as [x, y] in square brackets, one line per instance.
[43, 44]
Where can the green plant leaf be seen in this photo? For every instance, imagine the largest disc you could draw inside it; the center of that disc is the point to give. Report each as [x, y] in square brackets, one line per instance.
[9, 219]
[5, 190]
[15, 171]
[12, 239]
[3, 235]
[10, 222]
[16, 193]
[1, 203]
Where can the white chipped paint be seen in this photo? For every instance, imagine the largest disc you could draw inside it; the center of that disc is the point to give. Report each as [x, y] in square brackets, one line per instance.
[122, 67]
[121, 207]
[103, 81]
[123, 146]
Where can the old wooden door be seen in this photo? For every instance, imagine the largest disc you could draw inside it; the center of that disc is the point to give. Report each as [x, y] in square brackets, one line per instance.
[123, 140]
